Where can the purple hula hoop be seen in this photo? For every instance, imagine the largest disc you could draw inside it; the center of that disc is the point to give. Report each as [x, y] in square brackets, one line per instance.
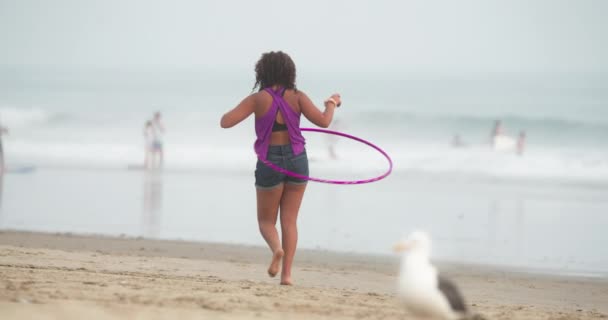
[299, 176]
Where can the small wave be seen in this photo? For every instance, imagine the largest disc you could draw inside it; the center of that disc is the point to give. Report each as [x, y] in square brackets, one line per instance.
[536, 164]
[466, 121]
[16, 117]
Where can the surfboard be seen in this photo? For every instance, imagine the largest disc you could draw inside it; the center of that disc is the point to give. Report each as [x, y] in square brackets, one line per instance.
[20, 169]
[502, 143]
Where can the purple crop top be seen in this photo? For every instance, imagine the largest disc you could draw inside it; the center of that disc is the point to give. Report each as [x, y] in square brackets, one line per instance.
[263, 125]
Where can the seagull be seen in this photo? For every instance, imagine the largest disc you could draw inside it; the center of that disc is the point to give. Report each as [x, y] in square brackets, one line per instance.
[424, 292]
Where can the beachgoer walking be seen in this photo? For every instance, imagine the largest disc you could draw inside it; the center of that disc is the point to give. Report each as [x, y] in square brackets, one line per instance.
[277, 107]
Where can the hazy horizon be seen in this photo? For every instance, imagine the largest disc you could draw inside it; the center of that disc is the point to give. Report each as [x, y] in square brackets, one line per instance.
[413, 36]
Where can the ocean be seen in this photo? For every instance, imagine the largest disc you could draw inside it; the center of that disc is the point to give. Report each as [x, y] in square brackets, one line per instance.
[543, 210]
[96, 118]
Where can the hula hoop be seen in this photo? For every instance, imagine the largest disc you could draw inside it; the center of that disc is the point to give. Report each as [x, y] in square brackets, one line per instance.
[299, 176]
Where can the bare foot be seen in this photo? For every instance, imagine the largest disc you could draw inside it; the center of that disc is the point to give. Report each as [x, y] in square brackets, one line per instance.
[286, 281]
[275, 264]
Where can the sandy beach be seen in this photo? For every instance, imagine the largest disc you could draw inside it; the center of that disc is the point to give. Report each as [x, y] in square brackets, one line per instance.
[65, 276]
[130, 133]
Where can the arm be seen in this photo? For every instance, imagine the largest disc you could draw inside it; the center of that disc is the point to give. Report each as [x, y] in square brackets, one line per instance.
[239, 113]
[313, 114]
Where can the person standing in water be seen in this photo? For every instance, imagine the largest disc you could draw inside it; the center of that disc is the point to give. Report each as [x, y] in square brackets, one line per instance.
[457, 141]
[332, 140]
[521, 143]
[149, 140]
[158, 129]
[277, 107]
[496, 131]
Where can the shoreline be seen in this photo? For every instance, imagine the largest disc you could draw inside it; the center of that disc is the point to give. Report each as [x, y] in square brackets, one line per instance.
[476, 177]
[97, 276]
[126, 244]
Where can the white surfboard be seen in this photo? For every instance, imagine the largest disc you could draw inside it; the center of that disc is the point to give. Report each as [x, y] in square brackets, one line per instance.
[20, 169]
[504, 143]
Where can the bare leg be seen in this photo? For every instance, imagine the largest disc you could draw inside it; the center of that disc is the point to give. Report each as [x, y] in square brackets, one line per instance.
[152, 159]
[268, 210]
[146, 158]
[290, 206]
[155, 157]
[160, 157]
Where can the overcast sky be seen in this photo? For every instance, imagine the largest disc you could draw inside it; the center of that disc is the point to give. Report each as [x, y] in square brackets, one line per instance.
[423, 35]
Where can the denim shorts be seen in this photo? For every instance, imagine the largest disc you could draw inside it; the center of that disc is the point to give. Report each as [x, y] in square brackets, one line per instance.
[282, 156]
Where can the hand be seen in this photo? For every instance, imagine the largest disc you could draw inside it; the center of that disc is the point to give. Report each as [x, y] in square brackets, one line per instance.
[335, 98]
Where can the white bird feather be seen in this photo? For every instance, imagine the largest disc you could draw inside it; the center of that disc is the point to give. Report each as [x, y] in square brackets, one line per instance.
[419, 282]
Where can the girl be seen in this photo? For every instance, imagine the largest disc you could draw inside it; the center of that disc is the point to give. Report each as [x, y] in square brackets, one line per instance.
[277, 107]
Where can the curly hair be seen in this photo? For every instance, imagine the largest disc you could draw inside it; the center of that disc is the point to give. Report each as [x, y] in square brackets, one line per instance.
[275, 68]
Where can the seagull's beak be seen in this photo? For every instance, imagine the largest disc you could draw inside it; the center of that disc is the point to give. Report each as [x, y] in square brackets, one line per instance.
[402, 246]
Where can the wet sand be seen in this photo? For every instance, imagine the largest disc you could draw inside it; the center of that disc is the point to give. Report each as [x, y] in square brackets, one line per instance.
[64, 276]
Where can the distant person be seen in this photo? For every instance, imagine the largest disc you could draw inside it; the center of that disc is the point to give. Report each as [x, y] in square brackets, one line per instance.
[153, 130]
[3, 131]
[332, 140]
[157, 145]
[277, 107]
[457, 142]
[521, 143]
[496, 131]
